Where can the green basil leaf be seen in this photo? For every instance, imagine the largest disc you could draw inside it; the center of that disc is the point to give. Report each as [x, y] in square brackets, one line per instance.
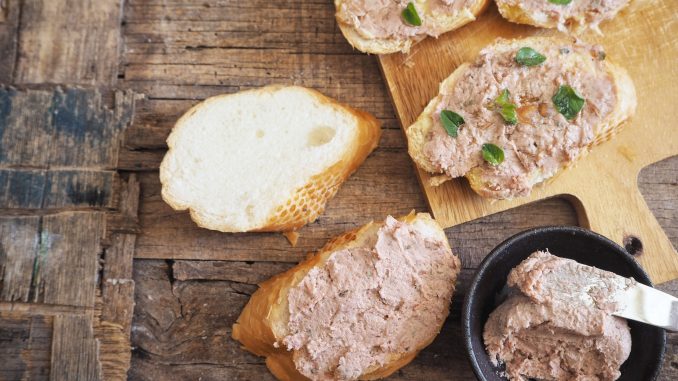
[411, 16]
[451, 122]
[506, 108]
[503, 98]
[568, 102]
[560, 2]
[529, 57]
[493, 154]
[508, 112]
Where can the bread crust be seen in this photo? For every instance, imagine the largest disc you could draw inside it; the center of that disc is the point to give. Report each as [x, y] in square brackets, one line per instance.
[308, 201]
[387, 46]
[264, 319]
[623, 109]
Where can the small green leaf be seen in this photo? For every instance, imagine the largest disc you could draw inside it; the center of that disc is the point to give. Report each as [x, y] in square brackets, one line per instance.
[560, 2]
[503, 98]
[451, 122]
[411, 16]
[568, 102]
[493, 154]
[529, 57]
[508, 112]
[506, 108]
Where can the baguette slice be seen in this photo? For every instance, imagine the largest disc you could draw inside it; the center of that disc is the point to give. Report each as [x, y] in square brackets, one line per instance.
[263, 160]
[539, 145]
[434, 22]
[575, 17]
[263, 323]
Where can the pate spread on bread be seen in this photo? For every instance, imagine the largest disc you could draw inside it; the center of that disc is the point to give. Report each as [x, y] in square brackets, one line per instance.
[388, 26]
[569, 16]
[263, 160]
[360, 309]
[523, 110]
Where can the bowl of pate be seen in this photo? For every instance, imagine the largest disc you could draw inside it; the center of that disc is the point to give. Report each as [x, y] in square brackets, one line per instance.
[510, 335]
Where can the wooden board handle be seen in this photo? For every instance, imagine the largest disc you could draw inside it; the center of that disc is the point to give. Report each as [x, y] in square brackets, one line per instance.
[623, 216]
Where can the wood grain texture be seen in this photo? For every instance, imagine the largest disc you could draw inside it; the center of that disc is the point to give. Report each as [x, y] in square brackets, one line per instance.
[631, 40]
[74, 350]
[117, 284]
[63, 127]
[18, 252]
[67, 217]
[26, 346]
[67, 263]
[59, 195]
[9, 27]
[68, 41]
[57, 189]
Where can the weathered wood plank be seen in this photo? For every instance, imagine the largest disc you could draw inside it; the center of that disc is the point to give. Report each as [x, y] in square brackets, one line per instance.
[67, 264]
[240, 272]
[19, 245]
[25, 346]
[74, 349]
[9, 26]
[144, 369]
[113, 350]
[57, 189]
[69, 41]
[117, 285]
[68, 127]
[659, 185]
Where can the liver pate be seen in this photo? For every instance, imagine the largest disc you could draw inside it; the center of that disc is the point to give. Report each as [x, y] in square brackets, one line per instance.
[543, 140]
[559, 325]
[367, 305]
[382, 19]
[575, 15]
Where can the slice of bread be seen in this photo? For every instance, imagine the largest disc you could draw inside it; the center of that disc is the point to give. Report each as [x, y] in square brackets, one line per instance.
[263, 160]
[529, 144]
[431, 16]
[264, 322]
[575, 17]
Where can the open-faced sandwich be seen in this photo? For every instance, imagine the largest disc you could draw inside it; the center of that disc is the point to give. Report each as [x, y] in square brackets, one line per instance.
[388, 26]
[263, 160]
[520, 112]
[360, 309]
[567, 15]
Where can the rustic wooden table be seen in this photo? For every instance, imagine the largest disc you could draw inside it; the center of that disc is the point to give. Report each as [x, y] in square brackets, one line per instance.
[146, 62]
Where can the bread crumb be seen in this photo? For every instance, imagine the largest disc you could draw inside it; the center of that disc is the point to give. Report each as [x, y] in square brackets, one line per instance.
[292, 237]
[434, 181]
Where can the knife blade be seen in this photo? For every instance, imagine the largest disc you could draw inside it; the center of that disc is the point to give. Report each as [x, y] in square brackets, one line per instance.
[648, 305]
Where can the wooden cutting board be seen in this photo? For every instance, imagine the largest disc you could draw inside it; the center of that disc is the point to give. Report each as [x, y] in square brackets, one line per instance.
[602, 186]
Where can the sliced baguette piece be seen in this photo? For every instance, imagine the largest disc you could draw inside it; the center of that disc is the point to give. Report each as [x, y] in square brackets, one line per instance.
[264, 322]
[267, 159]
[435, 21]
[521, 170]
[575, 17]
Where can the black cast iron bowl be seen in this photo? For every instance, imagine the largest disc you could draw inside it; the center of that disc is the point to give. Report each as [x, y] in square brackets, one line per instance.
[584, 246]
